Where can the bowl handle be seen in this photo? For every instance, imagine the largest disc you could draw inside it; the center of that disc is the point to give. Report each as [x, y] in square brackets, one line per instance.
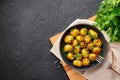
[57, 64]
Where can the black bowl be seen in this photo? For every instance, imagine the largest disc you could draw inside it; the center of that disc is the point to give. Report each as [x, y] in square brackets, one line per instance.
[92, 65]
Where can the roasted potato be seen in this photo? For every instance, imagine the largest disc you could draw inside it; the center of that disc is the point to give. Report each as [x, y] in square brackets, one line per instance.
[86, 62]
[68, 48]
[74, 32]
[92, 57]
[75, 43]
[68, 39]
[77, 63]
[83, 44]
[97, 42]
[70, 56]
[93, 34]
[83, 31]
[90, 46]
[85, 53]
[80, 38]
[77, 49]
[97, 50]
[87, 39]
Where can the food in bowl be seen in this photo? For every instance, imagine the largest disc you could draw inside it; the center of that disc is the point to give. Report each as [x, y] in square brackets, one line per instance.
[82, 46]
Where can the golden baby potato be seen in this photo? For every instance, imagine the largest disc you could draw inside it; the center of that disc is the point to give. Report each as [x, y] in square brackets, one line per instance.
[86, 62]
[92, 57]
[80, 38]
[87, 39]
[70, 56]
[68, 48]
[83, 44]
[83, 31]
[97, 50]
[68, 39]
[85, 53]
[97, 42]
[77, 63]
[75, 43]
[74, 32]
[77, 49]
[90, 46]
[93, 34]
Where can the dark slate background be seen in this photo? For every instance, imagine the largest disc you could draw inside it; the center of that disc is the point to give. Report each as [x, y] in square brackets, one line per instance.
[25, 29]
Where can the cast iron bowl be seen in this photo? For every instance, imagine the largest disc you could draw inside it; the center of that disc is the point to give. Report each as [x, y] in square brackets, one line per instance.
[89, 25]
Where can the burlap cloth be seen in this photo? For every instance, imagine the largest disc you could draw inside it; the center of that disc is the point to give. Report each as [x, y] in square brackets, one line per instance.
[98, 73]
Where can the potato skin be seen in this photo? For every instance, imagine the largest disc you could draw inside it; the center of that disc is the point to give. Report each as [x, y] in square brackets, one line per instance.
[82, 44]
[86, 62]
[92, 57]
[68, 48]
[97, 42]
[77, 63]
[68, 39]
[90, 46]
[80, 38]
[97, 50]
[85, 53]
[70, 56]
[76, 50]
[75, 43]
[83, 31]
[87, 39]
[74, 32]
[93, 34]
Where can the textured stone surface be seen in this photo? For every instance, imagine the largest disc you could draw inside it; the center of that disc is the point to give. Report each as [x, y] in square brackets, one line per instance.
[25, 28]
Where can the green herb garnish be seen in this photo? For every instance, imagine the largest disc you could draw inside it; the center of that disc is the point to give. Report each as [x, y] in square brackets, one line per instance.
[64, 53]
[92, 60]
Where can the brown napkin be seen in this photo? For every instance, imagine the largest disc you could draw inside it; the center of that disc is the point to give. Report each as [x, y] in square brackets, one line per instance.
[99, 73]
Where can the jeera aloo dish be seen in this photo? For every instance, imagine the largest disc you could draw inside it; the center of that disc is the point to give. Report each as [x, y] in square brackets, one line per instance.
[81, 45]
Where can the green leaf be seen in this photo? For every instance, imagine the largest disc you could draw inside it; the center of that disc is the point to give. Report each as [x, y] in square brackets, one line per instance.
[79, 44]
[64, 53]
[92, 60]
[108, 19]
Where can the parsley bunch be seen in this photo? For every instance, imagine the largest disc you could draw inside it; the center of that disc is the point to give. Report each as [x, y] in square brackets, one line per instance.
[108, 19]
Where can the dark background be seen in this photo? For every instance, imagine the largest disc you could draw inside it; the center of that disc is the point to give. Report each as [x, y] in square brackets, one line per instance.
[25, 29]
